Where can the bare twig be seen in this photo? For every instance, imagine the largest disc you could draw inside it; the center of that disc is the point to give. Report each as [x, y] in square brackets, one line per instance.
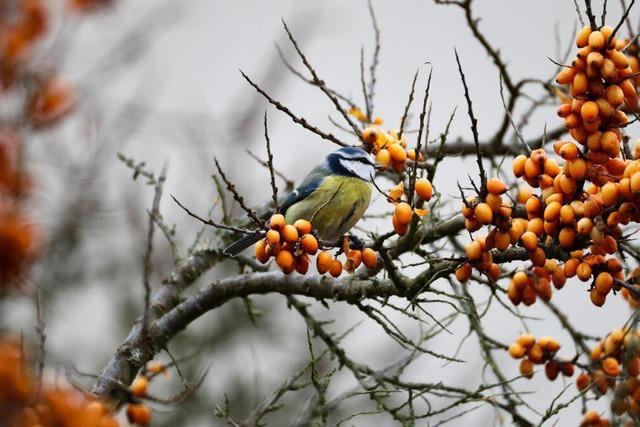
[474, 129]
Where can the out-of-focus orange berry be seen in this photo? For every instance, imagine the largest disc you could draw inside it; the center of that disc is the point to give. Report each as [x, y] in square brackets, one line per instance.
[369, 258]
[138, 413]
[139, 386]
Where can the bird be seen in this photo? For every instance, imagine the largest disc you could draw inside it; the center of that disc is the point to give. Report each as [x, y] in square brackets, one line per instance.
[333, 197]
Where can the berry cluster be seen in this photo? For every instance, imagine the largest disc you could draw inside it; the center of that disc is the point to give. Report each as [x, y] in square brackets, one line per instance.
[388, 146]
[526, 287]
[583, 201]
[616, 366]
[291, 245]
[137, 412]
[403, 213]
[25, 402]
[490, 211]
[538, 352]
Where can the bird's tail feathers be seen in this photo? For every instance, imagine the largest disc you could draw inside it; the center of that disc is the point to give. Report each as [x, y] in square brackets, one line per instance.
[243, 243]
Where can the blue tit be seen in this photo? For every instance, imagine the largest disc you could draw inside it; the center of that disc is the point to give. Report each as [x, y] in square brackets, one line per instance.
[333, 197]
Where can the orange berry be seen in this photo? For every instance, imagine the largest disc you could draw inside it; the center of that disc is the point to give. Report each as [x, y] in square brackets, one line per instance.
[424, 189]
[370, 135]
[596, 40]
[273, 237]
[138, 413]
[526, 368]
[526, 340]
[535, 354]
[261, 251]
[496, 186]
[552, 369]
[303, 226]
[463, 272]
[473, 250]
[289, 234]
[604, 282]
[589, 111]
[335, 268]
[277, 222]
[397, 153]
[383, 157]
[353, 260]
[285, 261]
[518, 165]
[302, 263]
[516, 350]
[529, 241]
[614, 95]
[582, 382]
[403, 213]
[369, 258]
[566, 75]
[483, 213]
[309, 244]
[597, 298]
[323, 262]
[611, 367]
[582, 38]
[139, 386]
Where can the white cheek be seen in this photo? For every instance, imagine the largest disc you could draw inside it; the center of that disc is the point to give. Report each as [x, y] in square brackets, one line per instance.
[361, 170]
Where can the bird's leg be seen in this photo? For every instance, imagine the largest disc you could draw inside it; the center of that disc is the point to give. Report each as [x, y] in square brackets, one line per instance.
[355, 242]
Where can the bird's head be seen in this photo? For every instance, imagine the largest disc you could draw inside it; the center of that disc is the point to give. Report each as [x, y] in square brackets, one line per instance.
[351, 161]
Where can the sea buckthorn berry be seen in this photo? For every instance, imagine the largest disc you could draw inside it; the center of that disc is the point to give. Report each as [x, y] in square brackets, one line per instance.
[611, 367]
[285, 261]
[496, 186]
[483, 213]
[273, 237]
[463, 272]
[583, 271]
[569, 151]
[582, 38]
[139, 386]
[369, 258]
[323, 262]
[604, 282]
[597, 298]
[138, 413]
[519, 165]
[383, 157]
[302, 263]
[289, 234]
[424, 189]
[370, 135]
[551, 370]
[529, 241]
[335, 268]
[473, 250]
[403, 213]
[582, 381]
[397, 153]
[516, 351]
[589, 110]
[566, 75]
[309, 244]
[535, 354]
[596, 40]
[526, 368]
[277, 222]
[261, 251]
[526, 340]
[303, 226]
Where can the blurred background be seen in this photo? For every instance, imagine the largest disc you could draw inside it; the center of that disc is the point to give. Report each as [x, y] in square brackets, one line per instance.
[159, 82]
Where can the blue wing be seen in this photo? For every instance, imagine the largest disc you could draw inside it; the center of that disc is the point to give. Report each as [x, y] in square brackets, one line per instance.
[306, 187]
